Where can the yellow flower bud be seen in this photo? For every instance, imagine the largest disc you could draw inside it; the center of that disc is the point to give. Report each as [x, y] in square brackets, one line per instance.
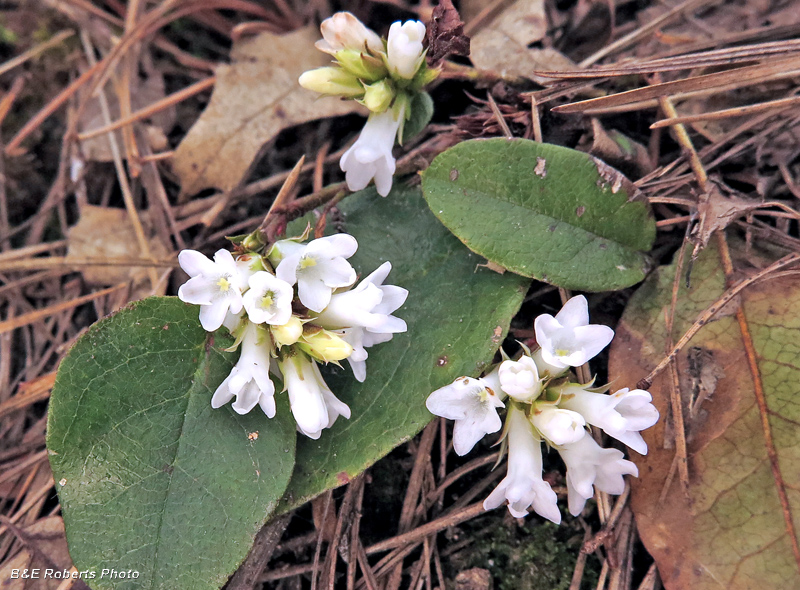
[324, 345]
[288, 333]
[332, 81]
[378, 96]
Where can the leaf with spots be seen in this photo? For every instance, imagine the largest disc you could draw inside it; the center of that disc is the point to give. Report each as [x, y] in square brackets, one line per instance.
[457, 315]
[543, 211]
[737, 529]
[150, 478]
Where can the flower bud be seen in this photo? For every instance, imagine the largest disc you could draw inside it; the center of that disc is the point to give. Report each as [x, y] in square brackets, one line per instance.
[404, 51]
[324, 345]
[332, 81]
[288, 333]
[252, 242]
[378, 96]
[361, 65]
[345, 31]
[559, 426]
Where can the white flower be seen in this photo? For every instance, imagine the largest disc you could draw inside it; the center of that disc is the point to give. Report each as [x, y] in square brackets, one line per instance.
[318, 268]
[557, 425]
[269, 299]
[313, 404]
[589, 464]
[371, 155]
[621, 415]
[364, 315]
[249, 380]
[473, 405]
[345, 31]
[523, 486]
[368, 306]
[360, 340]
[215, 286]
[568, 340]
[404, 51]
[520, 379]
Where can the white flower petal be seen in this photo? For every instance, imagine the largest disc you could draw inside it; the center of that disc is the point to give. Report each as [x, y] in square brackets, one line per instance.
[523, 486]
[267, 404]
[574, 313]
[287, 268]
[197, 291]
[212, 316]
[249, 380]
[314, 295]
[338, 273]
[247, 399]
[337, 245]
[222, 395]
[371, 154]
[558, 426]
[588, 466]
[194, 263]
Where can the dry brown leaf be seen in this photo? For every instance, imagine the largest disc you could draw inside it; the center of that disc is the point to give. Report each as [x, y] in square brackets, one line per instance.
[502, 45]
[255, 97]
[620, 151]
[445, 34]
[469, 9]
[48, 537]
[103, 232]
[734, 530]
[718, 208]
[148, 88]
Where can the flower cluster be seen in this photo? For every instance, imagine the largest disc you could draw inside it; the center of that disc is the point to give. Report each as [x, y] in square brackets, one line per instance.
[290, 309]
[384, 76]
[545, 405]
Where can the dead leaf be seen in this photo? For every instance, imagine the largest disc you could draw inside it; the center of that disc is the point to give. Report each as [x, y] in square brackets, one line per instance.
[103, 232]
[620, 151]
[718, 207]
[255, 97]
[502, 45]
[732, 532]
[47, 535]
[469, 9]
[445, 33]
[148, 87]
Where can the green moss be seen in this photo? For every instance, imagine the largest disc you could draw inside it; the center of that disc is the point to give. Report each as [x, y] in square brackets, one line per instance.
[535, 556]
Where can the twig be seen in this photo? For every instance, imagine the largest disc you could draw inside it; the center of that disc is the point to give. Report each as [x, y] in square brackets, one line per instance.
[34, 51]
[727, 113]
[248, 574]
[274, 223]
[150, 110]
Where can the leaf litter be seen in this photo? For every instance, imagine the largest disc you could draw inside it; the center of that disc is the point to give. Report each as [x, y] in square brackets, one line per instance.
[732, 166]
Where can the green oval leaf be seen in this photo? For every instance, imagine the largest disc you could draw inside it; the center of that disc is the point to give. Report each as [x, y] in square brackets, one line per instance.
[543, 211]
[150, 478]
[457, 315]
